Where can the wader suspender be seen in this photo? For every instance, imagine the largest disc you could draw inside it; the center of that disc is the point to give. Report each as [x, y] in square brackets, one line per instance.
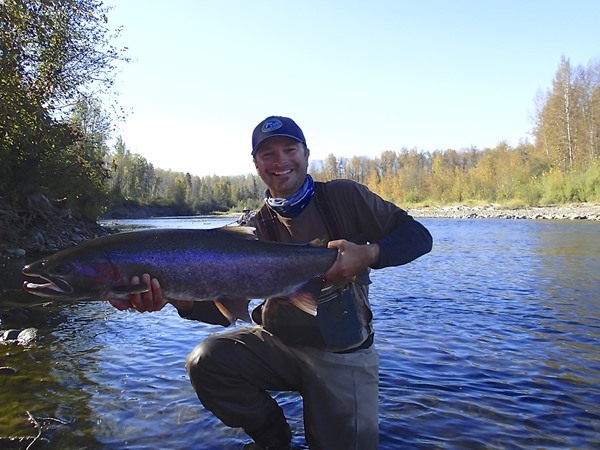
[267, 216]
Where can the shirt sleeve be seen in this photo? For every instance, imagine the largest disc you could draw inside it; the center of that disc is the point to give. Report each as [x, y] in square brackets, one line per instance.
[407, 241]
[401, 238]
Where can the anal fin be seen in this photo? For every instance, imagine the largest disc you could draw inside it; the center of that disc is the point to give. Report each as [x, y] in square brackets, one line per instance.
[307, 297]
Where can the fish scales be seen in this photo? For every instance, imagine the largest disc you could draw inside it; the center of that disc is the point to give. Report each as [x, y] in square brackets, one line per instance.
[190, 265]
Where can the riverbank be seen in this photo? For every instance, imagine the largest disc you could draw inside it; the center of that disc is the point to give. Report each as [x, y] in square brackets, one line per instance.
[575, 211]
[30, 232]
[25, 237]
[41, 225]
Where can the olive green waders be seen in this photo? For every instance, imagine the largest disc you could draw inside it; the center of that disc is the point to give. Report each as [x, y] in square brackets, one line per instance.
[231, 373]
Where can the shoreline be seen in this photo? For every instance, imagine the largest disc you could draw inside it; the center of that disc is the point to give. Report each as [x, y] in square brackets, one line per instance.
[27, 244]
[574, 211]
[51, 236]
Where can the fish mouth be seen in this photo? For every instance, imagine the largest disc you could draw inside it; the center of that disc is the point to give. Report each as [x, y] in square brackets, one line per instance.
[54, 287]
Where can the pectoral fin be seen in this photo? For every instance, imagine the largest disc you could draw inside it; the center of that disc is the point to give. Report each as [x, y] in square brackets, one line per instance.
[234, 308]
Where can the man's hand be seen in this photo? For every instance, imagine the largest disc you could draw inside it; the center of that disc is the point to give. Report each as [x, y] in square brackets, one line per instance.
[149, 301]
[351, 259]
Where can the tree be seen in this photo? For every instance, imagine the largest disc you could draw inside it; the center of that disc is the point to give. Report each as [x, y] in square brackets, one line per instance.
[331, 168]
[357, 169]
[556, 120]
[85, 190]
[51, 53]
[590, 106]
[116, 163]
[567, 126]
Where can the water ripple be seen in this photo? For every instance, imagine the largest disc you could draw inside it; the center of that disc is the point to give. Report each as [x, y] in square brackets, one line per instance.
[489, 342]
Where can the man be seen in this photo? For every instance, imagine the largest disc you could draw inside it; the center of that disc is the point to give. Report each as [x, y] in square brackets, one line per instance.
[329, 359]
[245, 217]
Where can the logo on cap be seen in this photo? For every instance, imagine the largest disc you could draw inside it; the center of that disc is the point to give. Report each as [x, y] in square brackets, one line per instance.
[271, 125]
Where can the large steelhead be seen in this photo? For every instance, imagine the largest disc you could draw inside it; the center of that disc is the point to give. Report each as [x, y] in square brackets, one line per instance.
[227, 265]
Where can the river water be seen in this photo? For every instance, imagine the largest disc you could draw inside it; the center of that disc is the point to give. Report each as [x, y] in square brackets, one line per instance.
[489, 342]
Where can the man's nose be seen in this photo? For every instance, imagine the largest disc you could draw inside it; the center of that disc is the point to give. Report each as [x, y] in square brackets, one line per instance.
[278, 157]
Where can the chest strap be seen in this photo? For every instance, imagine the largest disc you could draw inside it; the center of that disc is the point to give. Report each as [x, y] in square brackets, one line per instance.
[268, 217]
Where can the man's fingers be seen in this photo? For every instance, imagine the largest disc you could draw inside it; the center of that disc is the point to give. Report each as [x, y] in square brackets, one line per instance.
[150, 300]
[157, 292]
[121, 305]
[137, 301]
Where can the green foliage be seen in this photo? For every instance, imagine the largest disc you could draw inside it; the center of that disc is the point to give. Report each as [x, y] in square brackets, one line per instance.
[509, 176]
[591, 182]
[133, 178]
[505, 175]
[568, 117]
[78, 179]
[54, 135]
[579, 186]
[50, 53]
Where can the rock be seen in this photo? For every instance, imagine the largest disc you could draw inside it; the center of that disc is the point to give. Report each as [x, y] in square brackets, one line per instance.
[27, 336]
[18, 252]
[6, 370]
[9, 335]
[76, 237]
[9, 235]
[20, 337]
[583, 211]
[35, 240]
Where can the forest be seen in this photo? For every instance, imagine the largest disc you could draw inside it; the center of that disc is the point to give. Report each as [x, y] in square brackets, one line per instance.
[58, 63]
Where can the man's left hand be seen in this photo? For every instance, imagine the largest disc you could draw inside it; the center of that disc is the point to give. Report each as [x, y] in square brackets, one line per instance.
[351, 259]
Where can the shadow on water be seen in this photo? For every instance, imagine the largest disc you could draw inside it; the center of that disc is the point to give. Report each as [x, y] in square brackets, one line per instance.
[489, 342]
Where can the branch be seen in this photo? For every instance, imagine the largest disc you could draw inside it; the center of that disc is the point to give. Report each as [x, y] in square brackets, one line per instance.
[38, 427]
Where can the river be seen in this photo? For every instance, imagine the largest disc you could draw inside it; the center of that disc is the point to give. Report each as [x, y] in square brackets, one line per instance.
[491, 341]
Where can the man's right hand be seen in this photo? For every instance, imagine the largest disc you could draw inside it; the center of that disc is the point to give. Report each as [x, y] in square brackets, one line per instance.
[151, 300]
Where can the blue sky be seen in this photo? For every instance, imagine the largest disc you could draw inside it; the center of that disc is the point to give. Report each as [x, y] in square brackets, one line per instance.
[359, 77]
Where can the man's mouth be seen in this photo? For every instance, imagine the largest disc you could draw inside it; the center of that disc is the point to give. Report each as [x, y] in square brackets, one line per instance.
[282, 172]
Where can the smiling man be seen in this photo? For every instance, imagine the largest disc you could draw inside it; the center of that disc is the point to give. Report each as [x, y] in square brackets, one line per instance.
[282, 161]
[329, 359]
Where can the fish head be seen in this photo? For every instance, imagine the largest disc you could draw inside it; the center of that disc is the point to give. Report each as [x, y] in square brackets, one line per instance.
[69, 278]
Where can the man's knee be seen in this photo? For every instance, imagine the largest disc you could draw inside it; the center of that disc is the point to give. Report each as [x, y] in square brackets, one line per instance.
[204, 358]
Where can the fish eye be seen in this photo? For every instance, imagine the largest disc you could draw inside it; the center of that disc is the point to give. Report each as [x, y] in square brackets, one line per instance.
[63, 269]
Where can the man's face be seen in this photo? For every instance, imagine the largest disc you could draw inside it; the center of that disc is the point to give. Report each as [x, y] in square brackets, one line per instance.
[282, 163]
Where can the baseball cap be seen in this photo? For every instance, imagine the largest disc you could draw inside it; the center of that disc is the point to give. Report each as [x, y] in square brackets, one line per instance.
[276, 126]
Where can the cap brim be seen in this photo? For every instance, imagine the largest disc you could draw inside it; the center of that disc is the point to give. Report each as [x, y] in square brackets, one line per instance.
[255, 149]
